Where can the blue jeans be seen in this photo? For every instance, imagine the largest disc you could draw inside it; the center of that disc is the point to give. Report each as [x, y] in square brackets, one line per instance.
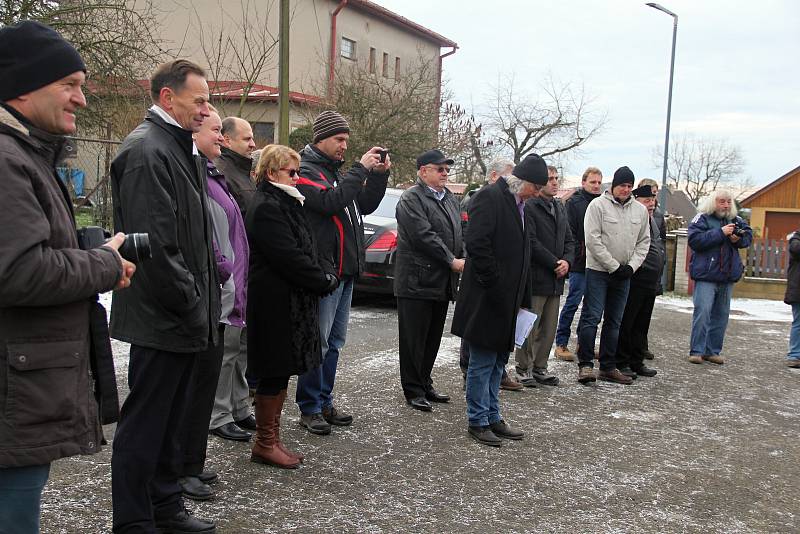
[577, 286]
[21, 497]
[794, 334]
[605, 298]
[484, 373]
[315, 387]
[712, 305]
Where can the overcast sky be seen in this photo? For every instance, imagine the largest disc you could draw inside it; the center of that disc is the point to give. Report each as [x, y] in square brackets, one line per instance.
[736, 73]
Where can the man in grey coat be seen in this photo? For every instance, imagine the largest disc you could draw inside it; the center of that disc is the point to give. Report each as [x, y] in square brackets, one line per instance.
[429, 258]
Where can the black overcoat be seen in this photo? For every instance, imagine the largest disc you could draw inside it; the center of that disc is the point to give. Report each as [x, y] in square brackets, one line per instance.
[284, 287]
[551, 241]
[428, 239]
[495, 283]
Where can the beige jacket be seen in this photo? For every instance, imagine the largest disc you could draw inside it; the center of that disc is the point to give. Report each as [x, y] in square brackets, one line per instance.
[616, 234]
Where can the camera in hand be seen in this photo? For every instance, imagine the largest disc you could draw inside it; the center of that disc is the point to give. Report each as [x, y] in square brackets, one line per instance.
[383, 154]
[135, 248]
[738, 228]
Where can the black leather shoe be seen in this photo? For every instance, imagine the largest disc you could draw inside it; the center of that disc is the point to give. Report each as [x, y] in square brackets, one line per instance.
[232, 432]
[315, 424]
[419, 403]
[248, 423]
[208, 476]
[645, 371]
[335, 417]
[195, 489]
[184, 522]
[434, 396]
[485, 436]
[627, 371]
[502, 430]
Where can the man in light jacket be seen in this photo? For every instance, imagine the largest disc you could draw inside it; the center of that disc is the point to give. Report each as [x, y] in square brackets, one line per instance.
[617, 234]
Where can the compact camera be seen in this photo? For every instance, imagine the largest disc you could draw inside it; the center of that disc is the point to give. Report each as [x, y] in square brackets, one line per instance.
[383, 154]
[135, 248]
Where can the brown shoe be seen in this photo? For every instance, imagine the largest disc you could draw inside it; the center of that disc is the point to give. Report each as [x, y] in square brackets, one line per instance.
[794, 363]
[509, 384]
[267, 449]
[716, 358]
[563, 353]
[614, 376]
[694, 358]
[586, 375]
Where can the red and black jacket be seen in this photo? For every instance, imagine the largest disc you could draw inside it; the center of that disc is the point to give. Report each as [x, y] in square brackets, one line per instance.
[335, 203]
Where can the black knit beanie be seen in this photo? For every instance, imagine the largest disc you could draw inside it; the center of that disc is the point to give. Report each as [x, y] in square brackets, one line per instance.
[33, 55]
[532, 169]
[623, 175]
[328, 124]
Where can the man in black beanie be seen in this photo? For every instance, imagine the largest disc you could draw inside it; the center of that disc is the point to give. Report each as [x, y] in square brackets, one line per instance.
[494, 287]
[47, 284]
[617, 237]
[335, 203]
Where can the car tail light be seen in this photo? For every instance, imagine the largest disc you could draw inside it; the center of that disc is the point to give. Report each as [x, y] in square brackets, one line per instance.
[386, 242]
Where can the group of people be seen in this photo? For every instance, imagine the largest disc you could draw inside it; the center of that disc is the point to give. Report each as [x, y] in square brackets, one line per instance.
[251, 279]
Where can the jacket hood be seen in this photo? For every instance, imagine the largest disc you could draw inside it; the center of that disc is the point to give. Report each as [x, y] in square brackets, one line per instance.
[12, 122]
[314, 156]
[51, 144]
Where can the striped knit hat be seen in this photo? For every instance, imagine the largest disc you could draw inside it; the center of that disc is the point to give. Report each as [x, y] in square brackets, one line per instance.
[328, 124]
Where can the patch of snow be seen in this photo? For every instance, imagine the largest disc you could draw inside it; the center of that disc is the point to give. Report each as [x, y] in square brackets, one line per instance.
[741, 309]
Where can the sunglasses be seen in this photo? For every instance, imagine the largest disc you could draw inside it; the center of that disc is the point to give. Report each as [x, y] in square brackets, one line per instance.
[441, 170]
[292, 172]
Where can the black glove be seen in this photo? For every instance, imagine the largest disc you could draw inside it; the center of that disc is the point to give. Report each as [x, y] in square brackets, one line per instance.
[623, 272]
[333, 283]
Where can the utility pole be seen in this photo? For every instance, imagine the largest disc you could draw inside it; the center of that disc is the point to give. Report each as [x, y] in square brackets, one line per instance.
[283, 74]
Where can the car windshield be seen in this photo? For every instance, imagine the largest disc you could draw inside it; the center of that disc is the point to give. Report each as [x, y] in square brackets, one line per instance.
[387, 206]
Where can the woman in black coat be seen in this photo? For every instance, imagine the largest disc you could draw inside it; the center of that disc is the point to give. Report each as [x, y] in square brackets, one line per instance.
[286, 281]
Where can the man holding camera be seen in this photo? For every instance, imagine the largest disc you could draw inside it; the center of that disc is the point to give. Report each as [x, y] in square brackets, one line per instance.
[47, 284]
[170, 318]
[335, 202]
[715, 236]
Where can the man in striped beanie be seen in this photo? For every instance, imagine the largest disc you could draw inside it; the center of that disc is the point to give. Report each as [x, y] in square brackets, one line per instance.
[335, 202]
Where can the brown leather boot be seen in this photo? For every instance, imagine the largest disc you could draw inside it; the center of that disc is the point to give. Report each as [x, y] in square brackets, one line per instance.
[265, 447]
[297, 455]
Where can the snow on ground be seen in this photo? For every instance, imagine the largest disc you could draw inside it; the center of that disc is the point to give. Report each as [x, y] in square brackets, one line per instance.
[741, 309]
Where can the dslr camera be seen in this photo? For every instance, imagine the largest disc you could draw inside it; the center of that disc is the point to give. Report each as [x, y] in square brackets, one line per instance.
[738, 227]
[135, 248]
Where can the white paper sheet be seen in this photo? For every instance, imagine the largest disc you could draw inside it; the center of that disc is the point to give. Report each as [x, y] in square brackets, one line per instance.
[525, 320]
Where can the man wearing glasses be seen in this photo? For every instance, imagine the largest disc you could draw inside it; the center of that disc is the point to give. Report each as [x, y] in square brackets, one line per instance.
[428, 263]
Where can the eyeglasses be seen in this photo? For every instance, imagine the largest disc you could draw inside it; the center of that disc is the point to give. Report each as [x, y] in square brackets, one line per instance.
[292, 172]
[441, 170]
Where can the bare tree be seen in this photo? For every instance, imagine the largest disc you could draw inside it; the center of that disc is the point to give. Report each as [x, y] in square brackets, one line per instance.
[560, 119]
[698, 166]
[240, 50]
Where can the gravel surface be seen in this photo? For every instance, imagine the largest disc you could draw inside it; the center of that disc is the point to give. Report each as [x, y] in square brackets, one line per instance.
[698, 448]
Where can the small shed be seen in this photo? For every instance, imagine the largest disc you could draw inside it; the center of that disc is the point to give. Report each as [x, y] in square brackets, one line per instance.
[775, 208]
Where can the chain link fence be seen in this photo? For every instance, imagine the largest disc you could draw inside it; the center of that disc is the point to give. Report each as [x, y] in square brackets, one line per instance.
[85, 170]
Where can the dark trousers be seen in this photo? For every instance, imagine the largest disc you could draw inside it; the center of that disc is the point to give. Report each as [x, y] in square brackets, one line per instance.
[634, 327]
[147, 457]
[194, 431]
[420, 323]
[21, 498]
[604, 299]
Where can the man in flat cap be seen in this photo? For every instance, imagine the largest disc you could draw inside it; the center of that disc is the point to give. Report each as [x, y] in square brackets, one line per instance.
[49, 332]
[493, 288]
[335, 203]
[617, 234]
[428, 260]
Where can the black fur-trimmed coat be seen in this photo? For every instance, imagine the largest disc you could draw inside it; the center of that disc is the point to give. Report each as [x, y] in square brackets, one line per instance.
[285, 285]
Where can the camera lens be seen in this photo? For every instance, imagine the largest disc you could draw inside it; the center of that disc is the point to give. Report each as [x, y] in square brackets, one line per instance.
[135, 248]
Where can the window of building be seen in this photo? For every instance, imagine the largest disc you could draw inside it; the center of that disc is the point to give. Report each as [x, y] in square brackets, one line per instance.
[348, 48]
[396, 68]
[372, 60]
[385, 65]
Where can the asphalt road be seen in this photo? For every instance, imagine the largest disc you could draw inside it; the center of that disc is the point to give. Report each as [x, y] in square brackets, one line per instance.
[696, 449]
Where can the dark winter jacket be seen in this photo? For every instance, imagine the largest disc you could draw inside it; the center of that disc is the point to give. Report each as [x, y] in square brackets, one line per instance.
[793, 274]
[464, 206]
[576, 211]
[236, 169]
[551, 241]
[428, 239]
[661, 224]
[648, 275]
[159, 188]
[285, 284]
[47, 286]
[495, 283]
[714, 257]
[335, 203]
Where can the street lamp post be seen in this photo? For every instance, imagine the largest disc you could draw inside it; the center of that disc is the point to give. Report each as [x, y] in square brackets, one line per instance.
[663, 193]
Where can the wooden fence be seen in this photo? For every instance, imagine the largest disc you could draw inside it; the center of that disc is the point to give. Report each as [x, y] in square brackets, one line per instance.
[767, 258]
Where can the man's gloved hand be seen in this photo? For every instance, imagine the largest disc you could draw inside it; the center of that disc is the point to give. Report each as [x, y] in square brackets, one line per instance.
[623, 272]
[333, 283]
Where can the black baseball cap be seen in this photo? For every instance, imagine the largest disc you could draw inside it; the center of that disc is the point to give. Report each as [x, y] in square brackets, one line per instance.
[434, 157]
